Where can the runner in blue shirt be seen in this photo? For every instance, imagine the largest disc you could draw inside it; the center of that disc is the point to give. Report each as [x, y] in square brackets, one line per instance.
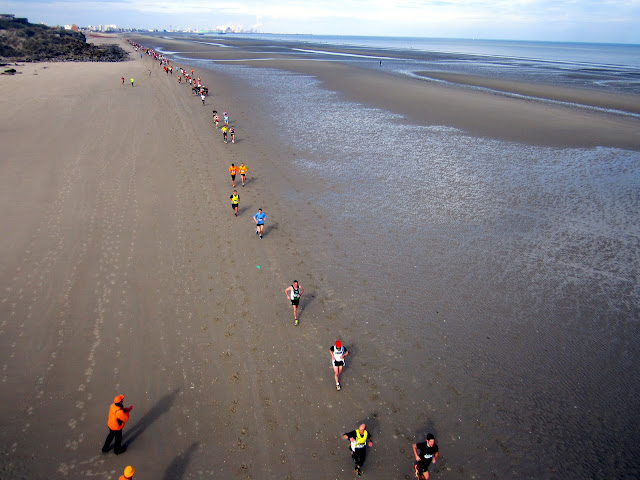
[259, 219]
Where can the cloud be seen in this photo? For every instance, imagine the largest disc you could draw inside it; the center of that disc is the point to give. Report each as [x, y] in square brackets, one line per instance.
[601, 20]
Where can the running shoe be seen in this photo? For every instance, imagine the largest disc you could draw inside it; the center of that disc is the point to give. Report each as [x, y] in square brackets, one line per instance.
[337, 386]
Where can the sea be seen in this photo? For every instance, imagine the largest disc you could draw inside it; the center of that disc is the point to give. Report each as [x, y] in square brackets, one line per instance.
[503, 279]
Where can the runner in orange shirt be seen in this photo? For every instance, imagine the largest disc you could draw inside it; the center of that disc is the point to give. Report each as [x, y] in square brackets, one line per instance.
[233, 170]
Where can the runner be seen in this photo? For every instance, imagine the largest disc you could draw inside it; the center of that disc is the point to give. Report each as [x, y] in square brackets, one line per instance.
[338, 352]
[359, 440]
[232, 132]
[293, 293]
[224, 135]
[122, 80]
[216, 118]
[233, 170]
[202, 97]
[242, 168]
[225, 115]
[259, 219]
[428, 455]
[235, 198]
[132, 82]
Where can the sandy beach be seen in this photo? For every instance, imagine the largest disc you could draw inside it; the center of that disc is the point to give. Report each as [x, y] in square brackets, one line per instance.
[124, 271]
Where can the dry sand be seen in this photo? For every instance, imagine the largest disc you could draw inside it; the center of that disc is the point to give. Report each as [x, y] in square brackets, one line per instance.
[124, 271]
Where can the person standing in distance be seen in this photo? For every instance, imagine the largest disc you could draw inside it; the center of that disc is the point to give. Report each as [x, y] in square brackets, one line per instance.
[233, 170]
[118, 416]
[235, 199]
[359, 440]
[428, 455]
[293, 293]
[338, 352]
[259, 219]
[128, 473]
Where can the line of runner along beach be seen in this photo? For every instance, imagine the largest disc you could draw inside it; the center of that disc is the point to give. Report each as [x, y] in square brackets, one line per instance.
[425, 453]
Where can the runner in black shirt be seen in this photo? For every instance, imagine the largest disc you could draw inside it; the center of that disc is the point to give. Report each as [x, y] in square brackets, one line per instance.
[359, 440]
[428, 455]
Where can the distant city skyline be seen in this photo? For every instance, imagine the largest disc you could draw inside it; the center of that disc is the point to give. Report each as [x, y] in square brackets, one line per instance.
[611, 21]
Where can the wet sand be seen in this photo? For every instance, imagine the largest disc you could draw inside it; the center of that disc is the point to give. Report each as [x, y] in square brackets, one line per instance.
[480, 113]
[124, 271]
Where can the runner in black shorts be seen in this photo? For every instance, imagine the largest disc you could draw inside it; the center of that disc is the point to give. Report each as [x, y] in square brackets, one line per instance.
[293, 293]
[235, 199]
[338, 354]
[428, 455]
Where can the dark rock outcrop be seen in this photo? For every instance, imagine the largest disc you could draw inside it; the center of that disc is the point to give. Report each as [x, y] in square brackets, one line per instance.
[28, 42]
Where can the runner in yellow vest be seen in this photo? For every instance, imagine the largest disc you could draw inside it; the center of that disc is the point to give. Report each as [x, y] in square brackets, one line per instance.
[359, 440]
[235, 199]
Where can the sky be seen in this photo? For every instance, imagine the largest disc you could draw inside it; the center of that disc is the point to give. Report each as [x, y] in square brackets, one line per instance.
[610, 21]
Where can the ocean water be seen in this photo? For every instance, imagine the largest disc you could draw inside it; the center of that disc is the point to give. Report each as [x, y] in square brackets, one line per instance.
[503, 277]
[611, 67]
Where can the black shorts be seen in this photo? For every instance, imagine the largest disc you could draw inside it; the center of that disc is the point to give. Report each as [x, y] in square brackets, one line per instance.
[234, 206]
[338, 364]
[295, 302]
[424, 464]
[233, 177]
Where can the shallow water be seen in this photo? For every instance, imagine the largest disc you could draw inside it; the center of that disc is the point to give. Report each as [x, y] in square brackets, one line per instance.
[494, 284]
[510, 270]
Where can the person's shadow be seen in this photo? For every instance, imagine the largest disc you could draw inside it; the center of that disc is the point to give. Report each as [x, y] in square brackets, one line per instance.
[163, 406]
[352, 348]
[421, 433]
[241, 210]
[307, 300]
[372, 423]
[268, 228]
[177, 467]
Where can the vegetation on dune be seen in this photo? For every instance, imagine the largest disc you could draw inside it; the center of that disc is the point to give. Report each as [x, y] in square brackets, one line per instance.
[28, 42]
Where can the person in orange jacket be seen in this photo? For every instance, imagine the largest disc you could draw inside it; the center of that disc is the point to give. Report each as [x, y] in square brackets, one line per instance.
[118, 416]
[128, 473]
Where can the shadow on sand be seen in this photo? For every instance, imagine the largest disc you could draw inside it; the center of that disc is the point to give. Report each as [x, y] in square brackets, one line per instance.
[177, 467]
[163, 406]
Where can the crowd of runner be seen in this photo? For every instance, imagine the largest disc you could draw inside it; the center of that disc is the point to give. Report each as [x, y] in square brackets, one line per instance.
[425, 453]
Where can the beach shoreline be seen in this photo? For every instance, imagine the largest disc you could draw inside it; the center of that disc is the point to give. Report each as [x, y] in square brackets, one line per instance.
[126, 272]
[451, 103]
